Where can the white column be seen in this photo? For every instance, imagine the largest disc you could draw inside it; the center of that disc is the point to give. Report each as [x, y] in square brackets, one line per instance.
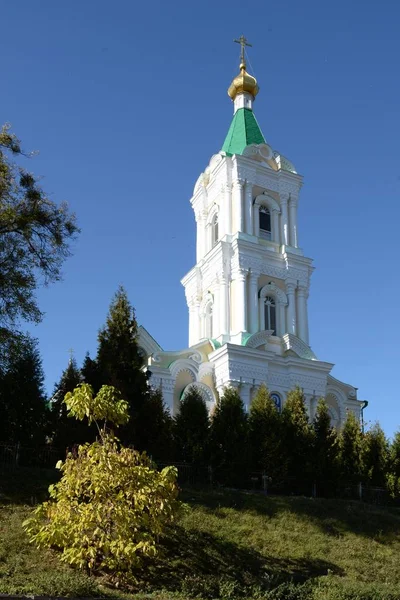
[248, 208]
[241, 300]
[194, 322]
[226, 213]
[253, 306]
[281, 324]
[284, 221]
[291, 309]
[302, 313]
[256, 219]
[237, 204]
[293, 222]
[275, 226]
[244, 391]
[224, 305]
[200, 239]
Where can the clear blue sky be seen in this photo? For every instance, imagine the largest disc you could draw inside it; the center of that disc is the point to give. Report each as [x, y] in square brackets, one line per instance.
[126, 102]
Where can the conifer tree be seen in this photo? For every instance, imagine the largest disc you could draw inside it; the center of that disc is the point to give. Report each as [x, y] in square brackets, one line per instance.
[298, 438]
[119, 363]
[394, 455]
[375, 456]
[265, 435]
[192, 432]
[325, 451]
[22, 399]
[67, 432]
[229, 439]
[350, 448]
[155, 435]
[393, 470]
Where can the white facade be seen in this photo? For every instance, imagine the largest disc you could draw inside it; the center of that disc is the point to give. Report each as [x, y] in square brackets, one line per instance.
[247, 293]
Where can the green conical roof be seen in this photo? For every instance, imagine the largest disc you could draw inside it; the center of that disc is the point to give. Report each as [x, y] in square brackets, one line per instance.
[244, 130]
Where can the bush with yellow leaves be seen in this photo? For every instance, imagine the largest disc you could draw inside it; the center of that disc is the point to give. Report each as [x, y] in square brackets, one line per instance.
[111, 504]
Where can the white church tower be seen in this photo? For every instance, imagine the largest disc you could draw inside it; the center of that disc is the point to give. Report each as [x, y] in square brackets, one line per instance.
[247, 293]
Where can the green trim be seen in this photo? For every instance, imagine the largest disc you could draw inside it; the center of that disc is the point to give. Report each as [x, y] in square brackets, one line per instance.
[243, 131]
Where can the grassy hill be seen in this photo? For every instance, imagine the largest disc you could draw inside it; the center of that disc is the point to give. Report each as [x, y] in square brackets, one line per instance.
[228, 545]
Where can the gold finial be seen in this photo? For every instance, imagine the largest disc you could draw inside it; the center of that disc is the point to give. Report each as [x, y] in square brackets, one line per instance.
[243, 43]
[243, 82]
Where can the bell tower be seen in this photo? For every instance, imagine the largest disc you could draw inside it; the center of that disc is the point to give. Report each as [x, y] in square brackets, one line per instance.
[247, 293]
[251, 276]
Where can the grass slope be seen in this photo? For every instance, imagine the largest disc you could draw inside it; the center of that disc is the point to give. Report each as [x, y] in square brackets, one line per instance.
[227, 545]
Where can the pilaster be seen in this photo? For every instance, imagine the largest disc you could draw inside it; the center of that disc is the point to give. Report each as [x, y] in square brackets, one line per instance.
[291, 309]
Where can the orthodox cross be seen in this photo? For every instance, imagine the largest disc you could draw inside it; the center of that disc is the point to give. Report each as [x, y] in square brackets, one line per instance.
[243, 43]
[71, 354]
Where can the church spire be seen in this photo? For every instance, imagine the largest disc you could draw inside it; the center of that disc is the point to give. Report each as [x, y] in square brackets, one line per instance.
[244, 85]
[244, 129]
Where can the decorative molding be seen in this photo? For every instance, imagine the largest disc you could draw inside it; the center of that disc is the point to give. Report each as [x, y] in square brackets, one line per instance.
[308, 382]
[204, 391]
[272, 288]
[258, 339]
[268, 201]
[292, 342]
[278, 379]
[261, 266]
[184, 365]
[205, 369]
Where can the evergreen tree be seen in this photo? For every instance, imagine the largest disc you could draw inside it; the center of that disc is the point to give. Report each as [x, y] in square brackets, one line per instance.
[67, 432]
[191, 430]
[229, 437]
[23, 404]
[375, 456]
[394, 455]
[119, 363]
[90, 373]
[393, 470]
[350, 447]
[265, 435]
[298, 439]
[155, 436]
[325, 451]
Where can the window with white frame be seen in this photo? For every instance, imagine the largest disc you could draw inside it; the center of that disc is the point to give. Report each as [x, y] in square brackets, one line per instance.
[270, 313]
[265, 223]
[214, 230]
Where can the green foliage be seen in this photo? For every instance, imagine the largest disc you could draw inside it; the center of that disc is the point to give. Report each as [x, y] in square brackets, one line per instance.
[108, 509]
[297, 436]
[119, 364]
[156, 434]
[325, 450]
[23, 409]
[64, 431]
[265, 435]
[229, 439]
[111, 504]
[107, 405]
[394, 455]
[350, 448]
[192, 429]
[375, 456]
[35, 236]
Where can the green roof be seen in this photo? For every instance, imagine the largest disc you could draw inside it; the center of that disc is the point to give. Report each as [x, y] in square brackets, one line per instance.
[244, 130]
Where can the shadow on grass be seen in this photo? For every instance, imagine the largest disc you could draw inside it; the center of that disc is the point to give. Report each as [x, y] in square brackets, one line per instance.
[334, 517]
[198, 563]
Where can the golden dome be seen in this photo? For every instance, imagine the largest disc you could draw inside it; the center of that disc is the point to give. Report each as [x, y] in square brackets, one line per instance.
[243, 83]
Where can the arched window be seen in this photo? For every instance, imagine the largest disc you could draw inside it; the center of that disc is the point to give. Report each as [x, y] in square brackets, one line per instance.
[277, 401]
[265, 222]
[214, 230]
[270, 314]
[209, 321]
